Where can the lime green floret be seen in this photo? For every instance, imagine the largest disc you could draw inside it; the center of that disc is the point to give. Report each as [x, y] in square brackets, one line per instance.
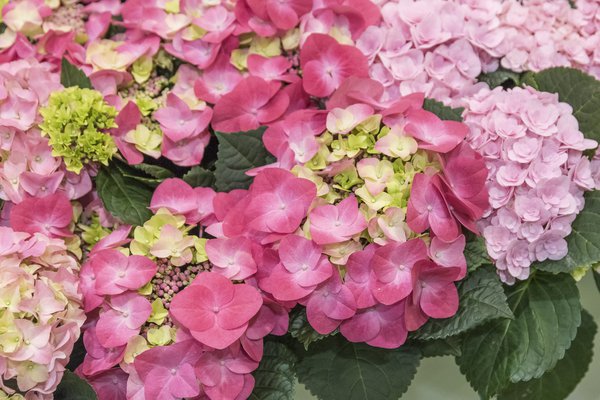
[76, 121]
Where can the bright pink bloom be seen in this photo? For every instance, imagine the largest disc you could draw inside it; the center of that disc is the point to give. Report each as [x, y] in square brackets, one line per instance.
[222, 372]
[110, 385]
[392, 265]
[449, 254]
[50, 215]
[253, 102]
[283, 14]
[360, 278]
[434, 294]
[180, 198]
[435, 134]
[231, 257]
[167, 372]
[97, 357]
[179, 122]
[272, 318]
[215, 310]
[336, 223]
[270, 69]
[122, 319]
[326, 63]
[128, 119]
[116, 273]
[217, 80]
[329, 305]
[186, 152]
[380, 326]
[427, 208]
[218, 22]
[301, 269]
[279, 201]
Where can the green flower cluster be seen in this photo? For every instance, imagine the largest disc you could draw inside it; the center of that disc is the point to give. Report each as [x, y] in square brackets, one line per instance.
[76, 121]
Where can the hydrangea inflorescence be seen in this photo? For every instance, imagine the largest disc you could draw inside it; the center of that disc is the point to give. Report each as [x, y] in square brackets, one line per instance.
[76, 121]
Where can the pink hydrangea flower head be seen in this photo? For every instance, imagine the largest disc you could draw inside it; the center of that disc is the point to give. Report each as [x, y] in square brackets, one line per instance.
[334, 224]
[215, 311]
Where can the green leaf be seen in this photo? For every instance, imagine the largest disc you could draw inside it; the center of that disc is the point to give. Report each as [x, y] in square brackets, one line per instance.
[73, 387]
[443, 111]
[449, 346]
[123, 196]
[199, 177]
[560, 381]
[301, 330]
[501, 77]
[239, 152]
[580, 90]
[275, 376]
[476, 253]
[70, 75]
[154, 171]
[335, 369]
[482, 299]
[583, 242]
[546, 312]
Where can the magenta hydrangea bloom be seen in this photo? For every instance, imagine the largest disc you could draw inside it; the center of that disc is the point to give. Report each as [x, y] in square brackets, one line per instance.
[167, 372]
[122, 319]
[116, 273]
[52, 215]
[334, 224]
[215, 310]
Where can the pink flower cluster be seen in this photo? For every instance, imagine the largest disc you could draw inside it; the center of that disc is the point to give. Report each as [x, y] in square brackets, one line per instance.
[41, 312]
[537, 174]
[29, 169]
[315, 225]
[541, 34]
[176, 325]
[436, 47]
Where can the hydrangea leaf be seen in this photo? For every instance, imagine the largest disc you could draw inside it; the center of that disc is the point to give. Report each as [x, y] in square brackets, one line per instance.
[580, 90]
[275, 376]
[443, 111]
[547, 313]
[239, 152]
[199, 177]
[476, 253]
[301, 330]
[123, 196]
[583, 242]
[482, 299]
[73, 387]
[501, 77]
[560, 381]
[155, 171]
[70, 75]
[335, 369]
[449, 346]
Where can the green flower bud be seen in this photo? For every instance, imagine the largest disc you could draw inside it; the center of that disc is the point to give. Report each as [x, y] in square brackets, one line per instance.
[76, 119]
